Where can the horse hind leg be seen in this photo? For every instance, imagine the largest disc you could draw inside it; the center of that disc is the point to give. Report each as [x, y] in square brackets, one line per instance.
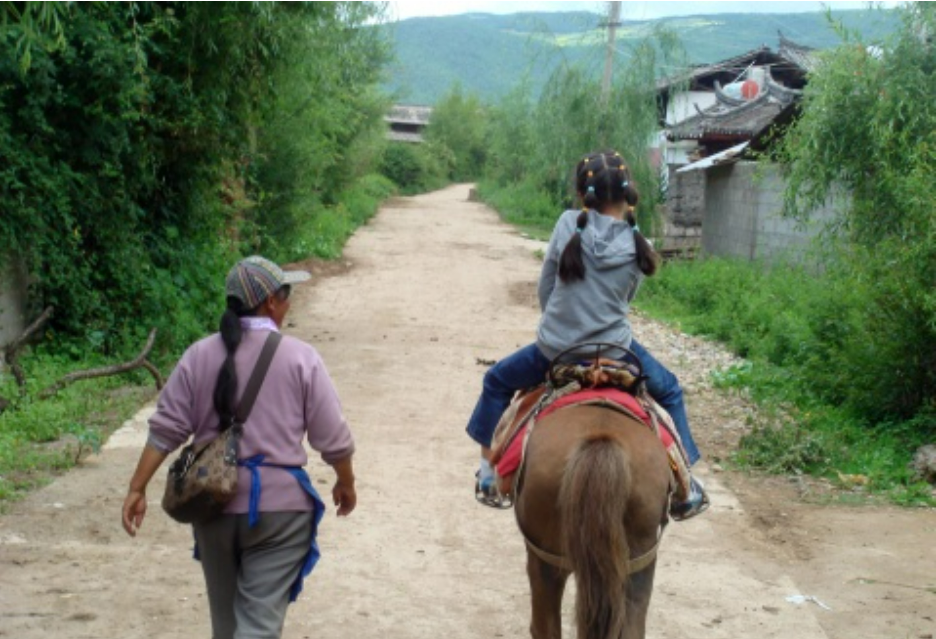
[547, 584]
[640, 587]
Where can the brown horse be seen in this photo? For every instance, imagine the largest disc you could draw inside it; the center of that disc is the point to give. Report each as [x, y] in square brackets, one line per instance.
[591, 499]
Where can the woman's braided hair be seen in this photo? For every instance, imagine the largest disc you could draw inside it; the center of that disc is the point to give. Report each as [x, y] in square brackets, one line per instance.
[602, 179]
[225, 391]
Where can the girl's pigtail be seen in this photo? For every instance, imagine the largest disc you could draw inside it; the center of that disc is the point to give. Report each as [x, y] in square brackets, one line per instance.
[571, 264]
[648, 260]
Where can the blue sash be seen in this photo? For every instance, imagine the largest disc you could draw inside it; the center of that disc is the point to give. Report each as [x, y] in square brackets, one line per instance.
[318, 511]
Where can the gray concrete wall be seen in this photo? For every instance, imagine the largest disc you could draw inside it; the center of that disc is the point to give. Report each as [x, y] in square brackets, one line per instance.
[12, 302]
[742, 215]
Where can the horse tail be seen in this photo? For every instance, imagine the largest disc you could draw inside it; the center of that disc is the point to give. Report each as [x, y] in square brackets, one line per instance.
[593, 497]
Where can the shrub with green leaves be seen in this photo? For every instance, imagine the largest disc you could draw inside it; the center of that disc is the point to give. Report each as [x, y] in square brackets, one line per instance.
[868, 126]
[459, 124]
[416, 168]
[810, 365]
[147, 145]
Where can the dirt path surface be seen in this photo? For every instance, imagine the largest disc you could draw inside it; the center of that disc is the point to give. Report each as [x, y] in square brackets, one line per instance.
[432, 285]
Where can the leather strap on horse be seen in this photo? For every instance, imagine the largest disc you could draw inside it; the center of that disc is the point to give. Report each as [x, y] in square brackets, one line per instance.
[634, 565]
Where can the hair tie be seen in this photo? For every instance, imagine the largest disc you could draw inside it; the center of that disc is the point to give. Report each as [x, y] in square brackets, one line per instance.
[578, 230]
[625, 184]
[590, 189]
[636, 229]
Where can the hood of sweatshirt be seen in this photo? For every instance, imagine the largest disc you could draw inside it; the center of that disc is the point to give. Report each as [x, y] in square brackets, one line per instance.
[608, 241]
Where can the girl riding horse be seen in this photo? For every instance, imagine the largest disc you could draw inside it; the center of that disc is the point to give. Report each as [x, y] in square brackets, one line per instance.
[594, 264]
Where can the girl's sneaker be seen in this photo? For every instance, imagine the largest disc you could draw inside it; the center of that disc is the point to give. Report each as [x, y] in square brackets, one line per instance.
[697, 503]
[486, 488]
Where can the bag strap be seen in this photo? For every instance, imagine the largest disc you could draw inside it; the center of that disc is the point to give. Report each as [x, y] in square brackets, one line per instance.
[256, 378]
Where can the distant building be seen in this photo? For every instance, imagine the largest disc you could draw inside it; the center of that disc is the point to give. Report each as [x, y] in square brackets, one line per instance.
[715, 107]
[713, 115]
[406, 123]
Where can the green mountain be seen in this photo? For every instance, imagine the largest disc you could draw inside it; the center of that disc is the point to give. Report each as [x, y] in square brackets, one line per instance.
[491, 54]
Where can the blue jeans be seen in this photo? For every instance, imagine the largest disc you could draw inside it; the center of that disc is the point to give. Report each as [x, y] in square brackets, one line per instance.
[665, 389]
[524, 369]
[528, 367]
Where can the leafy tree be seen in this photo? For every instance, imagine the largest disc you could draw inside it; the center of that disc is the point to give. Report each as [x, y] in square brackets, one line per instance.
[147, 144]
[322, 129]
[459, 122]
[869, 129]
[535, 142]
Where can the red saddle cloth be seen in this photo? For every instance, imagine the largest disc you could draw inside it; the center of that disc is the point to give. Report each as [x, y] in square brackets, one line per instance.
[510, 461]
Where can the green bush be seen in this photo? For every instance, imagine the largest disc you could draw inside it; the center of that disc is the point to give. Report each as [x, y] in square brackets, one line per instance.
[523, 204]
[459, 124]
[536, 141]
[813, 365]
[145, 147]
[325, 229]
[416, 168]
[877, 101]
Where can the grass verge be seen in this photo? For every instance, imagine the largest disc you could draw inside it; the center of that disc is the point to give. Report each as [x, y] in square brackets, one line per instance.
[41, 438]
[794, 329]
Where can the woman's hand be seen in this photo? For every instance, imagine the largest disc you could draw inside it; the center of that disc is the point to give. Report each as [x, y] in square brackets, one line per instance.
[343, 494]
[134, 510]
[345, 498]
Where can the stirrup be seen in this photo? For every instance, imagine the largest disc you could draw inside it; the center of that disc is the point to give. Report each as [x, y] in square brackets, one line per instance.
[691, 507]
[490, 496]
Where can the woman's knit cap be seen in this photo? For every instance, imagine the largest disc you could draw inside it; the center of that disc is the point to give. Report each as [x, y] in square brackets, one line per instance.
[255, 278]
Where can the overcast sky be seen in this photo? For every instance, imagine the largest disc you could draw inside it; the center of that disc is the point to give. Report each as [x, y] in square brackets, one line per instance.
[630, 10]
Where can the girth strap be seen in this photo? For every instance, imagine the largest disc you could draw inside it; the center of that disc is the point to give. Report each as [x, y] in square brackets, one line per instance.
[635, 565]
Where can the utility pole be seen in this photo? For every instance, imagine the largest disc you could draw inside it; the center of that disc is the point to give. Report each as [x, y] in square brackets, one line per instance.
[614, 21]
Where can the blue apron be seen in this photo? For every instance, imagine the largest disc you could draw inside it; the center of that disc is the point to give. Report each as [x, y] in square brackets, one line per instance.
[318, 511]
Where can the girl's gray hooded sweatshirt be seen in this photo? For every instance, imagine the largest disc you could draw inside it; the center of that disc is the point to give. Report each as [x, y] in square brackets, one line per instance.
[593, 309]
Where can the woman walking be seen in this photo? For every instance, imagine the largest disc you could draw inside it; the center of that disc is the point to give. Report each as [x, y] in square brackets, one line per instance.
[256, 554]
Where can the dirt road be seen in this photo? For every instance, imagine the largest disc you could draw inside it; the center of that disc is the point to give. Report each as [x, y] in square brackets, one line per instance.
[432, 284]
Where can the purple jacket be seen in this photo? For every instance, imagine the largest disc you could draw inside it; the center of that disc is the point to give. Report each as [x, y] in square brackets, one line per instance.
[297, 401]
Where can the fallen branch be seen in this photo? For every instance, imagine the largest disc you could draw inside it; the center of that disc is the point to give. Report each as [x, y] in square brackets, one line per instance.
[12, 350]
[139, 361]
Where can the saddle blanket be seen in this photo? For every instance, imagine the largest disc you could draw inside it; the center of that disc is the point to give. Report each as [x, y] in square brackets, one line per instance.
[510, 461]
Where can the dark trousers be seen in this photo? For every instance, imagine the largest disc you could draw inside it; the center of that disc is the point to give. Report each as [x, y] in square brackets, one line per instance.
[249, 571]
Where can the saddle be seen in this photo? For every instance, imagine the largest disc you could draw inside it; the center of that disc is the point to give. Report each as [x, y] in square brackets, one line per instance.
[606, 383]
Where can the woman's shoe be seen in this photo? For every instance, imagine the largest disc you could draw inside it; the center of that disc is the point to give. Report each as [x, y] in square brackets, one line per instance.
[697, 503]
